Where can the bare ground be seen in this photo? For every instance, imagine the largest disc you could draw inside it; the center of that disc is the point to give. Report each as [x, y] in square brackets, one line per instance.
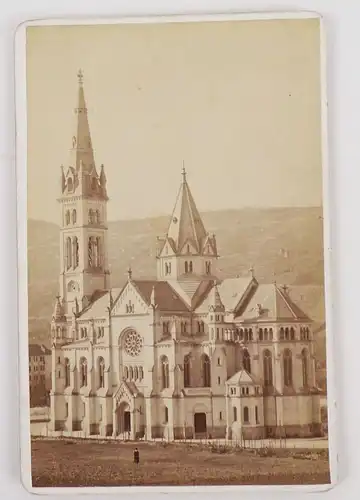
[88, 463]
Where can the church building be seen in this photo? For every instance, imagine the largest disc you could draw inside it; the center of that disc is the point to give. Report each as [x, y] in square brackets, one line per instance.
[187, 355]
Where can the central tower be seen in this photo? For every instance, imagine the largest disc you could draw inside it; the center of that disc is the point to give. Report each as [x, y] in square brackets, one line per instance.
[83, 234]
[187, 251]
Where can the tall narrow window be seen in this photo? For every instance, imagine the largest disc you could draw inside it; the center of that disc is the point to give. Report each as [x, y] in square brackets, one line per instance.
[282, 333]
[261, 334]
[292, 333]
[101, 371]
[206, 372]
[75, 256]
[165, 382]
[267, 365]
[287, 335]
[126, 372]
[67, 217]
[141, 373]
[187, 371]
[190, 267]
[270, 334]
[66, 410]
[90, 252]
[246, 361]
[305, 367]
[287, 361]
[136, 373]
[98, 252]
[208, 267]
[97, 217]
[131, 373]
[166, 415]
[73, 216]
[83, 372]
[256, 415]
[246, 415]
[68, 253]
[266, 334]
[67, 372]
[235, 413]
[186, 267]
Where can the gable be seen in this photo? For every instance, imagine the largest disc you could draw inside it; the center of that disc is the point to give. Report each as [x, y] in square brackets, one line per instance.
[189, 248]
[129, 302]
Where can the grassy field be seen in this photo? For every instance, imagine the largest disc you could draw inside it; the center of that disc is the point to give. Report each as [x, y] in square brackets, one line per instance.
[88, 463]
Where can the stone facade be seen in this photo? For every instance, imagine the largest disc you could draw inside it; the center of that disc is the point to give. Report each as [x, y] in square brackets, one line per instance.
[186, 355]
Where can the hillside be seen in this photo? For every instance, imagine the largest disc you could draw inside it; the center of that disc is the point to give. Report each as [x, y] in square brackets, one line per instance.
[283, 243]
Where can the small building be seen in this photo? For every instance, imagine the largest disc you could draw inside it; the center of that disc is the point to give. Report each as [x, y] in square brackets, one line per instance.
[39, 374]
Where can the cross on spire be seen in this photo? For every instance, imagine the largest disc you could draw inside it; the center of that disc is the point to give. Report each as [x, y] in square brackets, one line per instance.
[80, 76]
[129, 273]
[183, 172]
[252, 271]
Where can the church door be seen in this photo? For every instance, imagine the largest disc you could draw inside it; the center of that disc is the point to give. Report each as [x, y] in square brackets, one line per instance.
[127, 421]
[200, 423]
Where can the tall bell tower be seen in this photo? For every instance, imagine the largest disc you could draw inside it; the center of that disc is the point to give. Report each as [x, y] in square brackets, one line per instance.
[83, 233]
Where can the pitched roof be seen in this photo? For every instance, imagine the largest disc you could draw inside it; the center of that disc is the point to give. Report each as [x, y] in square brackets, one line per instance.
[232, 291]
[242, 377]
[166, 297]
[38, 350]
[186, 224]
[98, 307]
[272, 303]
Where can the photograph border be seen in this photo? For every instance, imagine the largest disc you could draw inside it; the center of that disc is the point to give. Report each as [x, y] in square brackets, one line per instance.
[21, 173]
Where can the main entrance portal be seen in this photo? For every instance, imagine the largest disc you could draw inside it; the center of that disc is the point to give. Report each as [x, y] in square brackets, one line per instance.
[127, 421]
[200, 423]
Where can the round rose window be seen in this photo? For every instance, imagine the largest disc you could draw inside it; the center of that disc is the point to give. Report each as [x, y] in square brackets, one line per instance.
[133, 343]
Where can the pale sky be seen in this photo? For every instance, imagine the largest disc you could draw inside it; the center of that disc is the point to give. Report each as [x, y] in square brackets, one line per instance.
[238, 102]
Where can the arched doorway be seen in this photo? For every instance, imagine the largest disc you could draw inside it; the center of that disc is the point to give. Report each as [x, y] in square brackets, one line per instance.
[200, 424]
[124, 419]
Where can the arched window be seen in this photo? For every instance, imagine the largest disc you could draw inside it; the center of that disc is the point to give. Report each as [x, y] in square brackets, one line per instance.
[250, 334]
[246, 335]
[67, 372]
[187, 371]
[267, 365]
[101, 371]
[261, 335]
[68, 253]
[282, 333]
[164, 363]
[246, 361]
[241, 334]
[83, 372]
[246, 415]
[287, 360]
[91, 252]
[190, 267]
[136, 373]
[307, 333]
[287, 333]
[235, 413]
[205, 368]
[97, 252]
[126, 372]
[67, 217]
[73, 216]
[141, 373]
[292, 333]
[305, 367]
[188, 248]
[70, 185]
[186, 267]
[97, 216]
[75, 256]
[271, 336]
[266, 334]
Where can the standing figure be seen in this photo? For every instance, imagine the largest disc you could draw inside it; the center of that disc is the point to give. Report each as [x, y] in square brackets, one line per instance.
[136, 456]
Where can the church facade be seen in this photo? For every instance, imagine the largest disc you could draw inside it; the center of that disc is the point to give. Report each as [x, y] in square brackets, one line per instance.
[184, 356]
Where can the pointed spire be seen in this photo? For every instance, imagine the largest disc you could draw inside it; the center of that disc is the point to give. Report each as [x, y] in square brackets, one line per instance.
[81, 141]
[63, 181]
[214, 299]
[102, 176]
[58, 313]
[186, 225]
[152, 297]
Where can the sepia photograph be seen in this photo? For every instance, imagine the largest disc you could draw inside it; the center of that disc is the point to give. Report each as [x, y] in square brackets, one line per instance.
[176, 327]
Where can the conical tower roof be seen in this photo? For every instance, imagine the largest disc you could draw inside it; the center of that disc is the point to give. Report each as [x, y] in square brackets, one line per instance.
[186, 225]
[82, 150]
[214, 300]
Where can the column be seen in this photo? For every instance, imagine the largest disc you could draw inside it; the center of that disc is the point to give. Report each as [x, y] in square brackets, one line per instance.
[115, 422]
[227, 418]
[132, 425]
[87, 418]
[69, 422]
[170, 405]
[148, 419]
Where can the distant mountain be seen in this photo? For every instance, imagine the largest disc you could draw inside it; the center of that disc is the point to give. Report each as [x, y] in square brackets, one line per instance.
[285, 244]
